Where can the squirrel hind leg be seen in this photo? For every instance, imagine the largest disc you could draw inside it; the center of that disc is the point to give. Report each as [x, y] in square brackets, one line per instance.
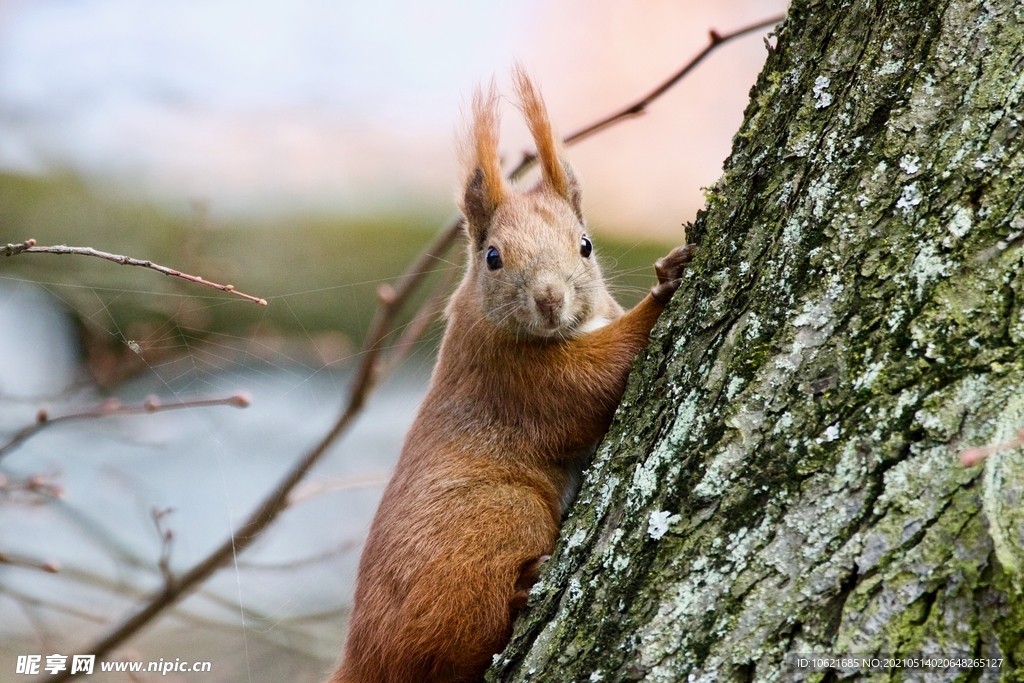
[529, 574]
[451, 635]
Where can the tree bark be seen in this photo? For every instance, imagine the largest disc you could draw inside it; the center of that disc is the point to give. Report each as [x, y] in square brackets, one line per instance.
[782, 476]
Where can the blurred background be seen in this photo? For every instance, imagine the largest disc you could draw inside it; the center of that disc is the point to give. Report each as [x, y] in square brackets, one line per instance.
[303, 152]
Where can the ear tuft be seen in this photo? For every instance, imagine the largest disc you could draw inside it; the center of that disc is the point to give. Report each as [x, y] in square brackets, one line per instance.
[485, 187]
[556, 173]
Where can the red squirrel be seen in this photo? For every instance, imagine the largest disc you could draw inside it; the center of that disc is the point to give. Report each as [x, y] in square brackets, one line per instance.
[533, 363]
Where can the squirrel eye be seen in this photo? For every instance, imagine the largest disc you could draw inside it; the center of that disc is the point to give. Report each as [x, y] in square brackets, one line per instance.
[586, 247]
[493, 259]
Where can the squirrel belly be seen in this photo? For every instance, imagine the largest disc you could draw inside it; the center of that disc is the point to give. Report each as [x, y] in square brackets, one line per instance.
[532, 366]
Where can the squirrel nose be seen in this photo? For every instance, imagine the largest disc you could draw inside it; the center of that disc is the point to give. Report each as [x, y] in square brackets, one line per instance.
[549, 302]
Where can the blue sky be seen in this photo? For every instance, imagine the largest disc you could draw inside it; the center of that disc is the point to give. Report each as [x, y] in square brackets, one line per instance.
[302, 104]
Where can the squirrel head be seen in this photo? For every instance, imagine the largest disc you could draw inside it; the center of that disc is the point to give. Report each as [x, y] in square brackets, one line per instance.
[531, 263]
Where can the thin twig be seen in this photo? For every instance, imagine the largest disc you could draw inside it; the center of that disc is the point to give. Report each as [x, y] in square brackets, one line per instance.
[50, 567]
[366, 376]
[715, 39]
[36, 484]
[114, 407]
[120, 588]
[29, 247]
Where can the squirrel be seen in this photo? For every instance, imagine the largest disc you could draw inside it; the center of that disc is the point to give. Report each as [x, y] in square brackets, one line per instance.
[532, 365]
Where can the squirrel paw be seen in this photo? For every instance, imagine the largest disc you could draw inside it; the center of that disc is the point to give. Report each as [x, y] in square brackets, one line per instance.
[670, 272]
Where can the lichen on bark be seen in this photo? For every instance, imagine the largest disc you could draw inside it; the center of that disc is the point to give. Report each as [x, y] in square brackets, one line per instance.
[782, 474]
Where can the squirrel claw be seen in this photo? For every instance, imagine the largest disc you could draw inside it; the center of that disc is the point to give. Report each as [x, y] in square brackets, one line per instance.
[670, 269]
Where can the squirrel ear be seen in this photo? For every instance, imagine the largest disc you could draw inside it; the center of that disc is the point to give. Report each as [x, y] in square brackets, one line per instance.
[555, 171]
[485, 187]
[477, 209]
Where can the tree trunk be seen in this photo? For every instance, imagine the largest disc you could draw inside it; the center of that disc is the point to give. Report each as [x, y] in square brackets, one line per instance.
[782, 477]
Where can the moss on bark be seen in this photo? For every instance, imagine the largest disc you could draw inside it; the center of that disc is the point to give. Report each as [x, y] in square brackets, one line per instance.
[782, 475]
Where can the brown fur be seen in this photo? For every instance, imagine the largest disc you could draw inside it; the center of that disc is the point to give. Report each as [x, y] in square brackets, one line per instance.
[521, 392]
[484, 150]
[548, 145]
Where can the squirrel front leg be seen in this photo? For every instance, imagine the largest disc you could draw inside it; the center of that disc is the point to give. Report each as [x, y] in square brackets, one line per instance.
[627, 335]
[529, 574]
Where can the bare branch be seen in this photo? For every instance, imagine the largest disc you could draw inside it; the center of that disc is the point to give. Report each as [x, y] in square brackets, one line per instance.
[37, 485]
[715, 39]
[29, 247]
[114, 407]
[49, 567]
